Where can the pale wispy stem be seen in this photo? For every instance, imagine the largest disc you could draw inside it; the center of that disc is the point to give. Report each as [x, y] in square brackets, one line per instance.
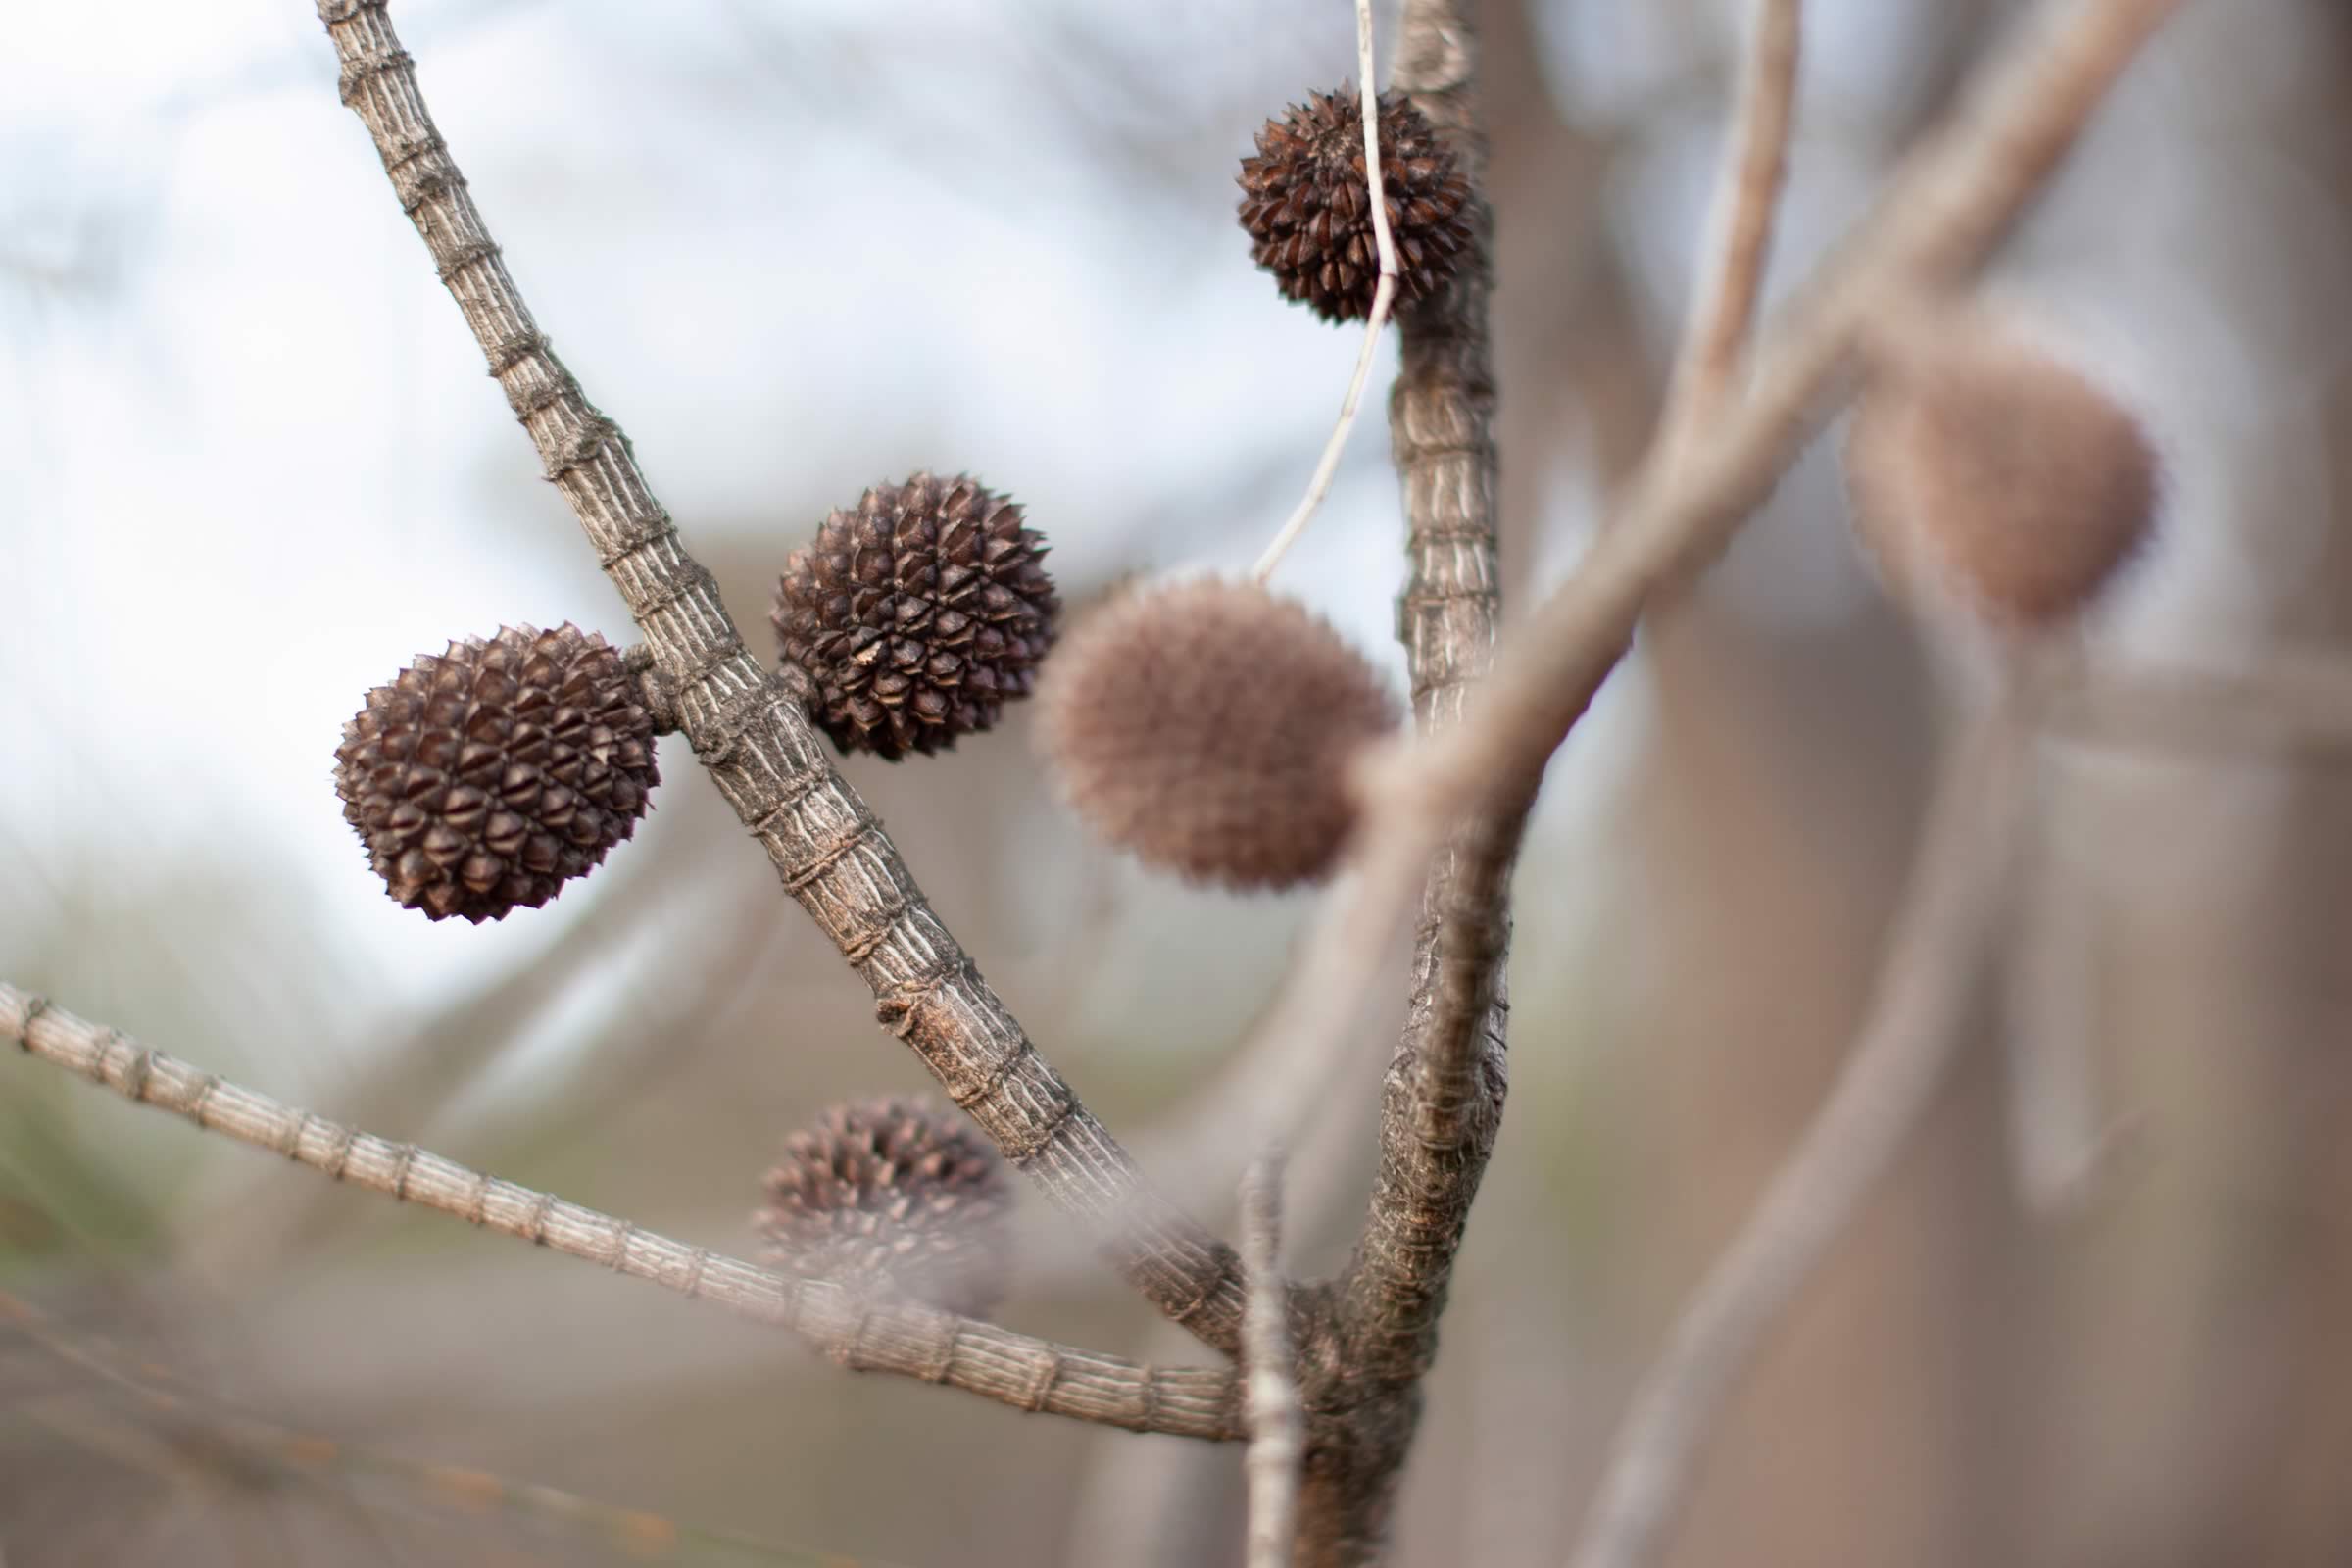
[1739, 242]
[862, 1333]
[1277, 1423]
[761, 749]
[1383, 295]
[1909, 1036]
[1940, 215]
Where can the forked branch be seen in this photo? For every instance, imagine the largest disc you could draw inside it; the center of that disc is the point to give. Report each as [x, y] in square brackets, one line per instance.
[862, 1333]
[760, 747]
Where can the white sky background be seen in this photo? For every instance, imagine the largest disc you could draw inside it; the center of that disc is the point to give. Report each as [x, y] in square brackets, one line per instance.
[250, 465]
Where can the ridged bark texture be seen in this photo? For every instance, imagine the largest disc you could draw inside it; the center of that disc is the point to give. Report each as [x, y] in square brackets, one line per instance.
[1442, 1100]
[760, 747]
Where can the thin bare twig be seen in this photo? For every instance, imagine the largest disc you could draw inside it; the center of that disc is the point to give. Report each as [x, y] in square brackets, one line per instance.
[1277, 1424]
[1739, 243]
[862, 1333]
[1941, 215]
[1383, 294]
[1909, 1036]
[760, 747]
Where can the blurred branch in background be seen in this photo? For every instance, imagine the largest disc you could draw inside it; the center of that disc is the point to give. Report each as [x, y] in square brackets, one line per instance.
[1739, 241]
[1915, 1027]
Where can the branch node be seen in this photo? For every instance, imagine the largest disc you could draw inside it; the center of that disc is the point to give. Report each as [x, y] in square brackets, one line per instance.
[1019, 1155]
[805, 876]
[1042, 1379]
[506, 353]
[896, 1010]
[858, 948]
[655, 688]
[351, 83]
[33, 1010]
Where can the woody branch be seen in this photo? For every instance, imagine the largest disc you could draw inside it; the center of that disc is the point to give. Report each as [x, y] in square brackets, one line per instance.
[760, 749]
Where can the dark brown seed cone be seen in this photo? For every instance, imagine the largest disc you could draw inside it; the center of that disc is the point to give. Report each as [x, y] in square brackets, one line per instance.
[1308, 205]
[918, 615]
[1985, 472]
[1208, 728]
[894, 1195]
[487, 776]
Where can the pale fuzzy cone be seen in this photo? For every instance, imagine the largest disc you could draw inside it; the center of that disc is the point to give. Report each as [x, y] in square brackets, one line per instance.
[1987, 475]
[1210, 727]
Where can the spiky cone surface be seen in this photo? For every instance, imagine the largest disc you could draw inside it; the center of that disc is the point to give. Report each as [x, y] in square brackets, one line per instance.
[916, 615]
[1308, 205]
[1987, 475]
[485, 777]
[892, 1195]
[1208, 727]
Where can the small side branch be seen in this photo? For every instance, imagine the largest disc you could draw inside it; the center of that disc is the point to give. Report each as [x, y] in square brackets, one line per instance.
[1906, 1041]
[1277, 1423]
[861, 1332]
[760, 747]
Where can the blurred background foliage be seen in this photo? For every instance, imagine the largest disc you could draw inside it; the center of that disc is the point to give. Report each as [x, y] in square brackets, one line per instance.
[249, 468]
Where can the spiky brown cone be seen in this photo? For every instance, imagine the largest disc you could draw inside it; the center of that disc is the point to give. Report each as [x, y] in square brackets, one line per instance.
[1308, 205]
[486, 776]
[1208, 727]
[1984, 472]
[916, 616]
[896, 1195]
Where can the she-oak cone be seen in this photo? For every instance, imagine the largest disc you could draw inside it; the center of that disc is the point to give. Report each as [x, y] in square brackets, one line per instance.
[486, 776]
